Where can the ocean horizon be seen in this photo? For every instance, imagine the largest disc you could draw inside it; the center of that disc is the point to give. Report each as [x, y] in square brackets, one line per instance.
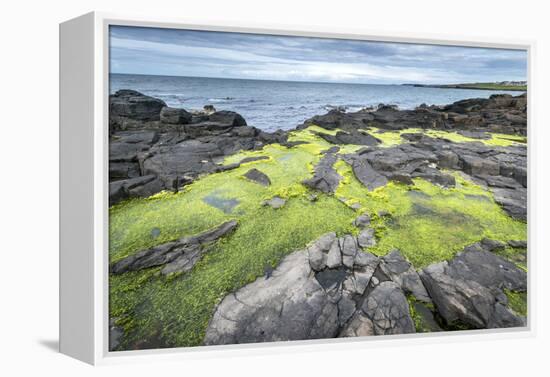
[271, 105]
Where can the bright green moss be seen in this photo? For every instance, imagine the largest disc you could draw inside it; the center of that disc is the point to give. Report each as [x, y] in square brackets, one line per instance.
[391, 138]
[181, 307]
[427, 223]
[517, 301]
[175, 311]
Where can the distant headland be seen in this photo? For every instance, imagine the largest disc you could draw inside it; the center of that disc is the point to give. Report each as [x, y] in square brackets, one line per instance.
[502, 85]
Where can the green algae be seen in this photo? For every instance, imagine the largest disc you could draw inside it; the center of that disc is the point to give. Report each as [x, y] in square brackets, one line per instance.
[426, 222]
[181, 307]
[429, 223]
[391, 138]
[174, 311]
[517, 301]
[310, 136]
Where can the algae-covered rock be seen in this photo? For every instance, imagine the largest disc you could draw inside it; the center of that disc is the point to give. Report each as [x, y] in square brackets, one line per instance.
[258, 177]
[176, 256]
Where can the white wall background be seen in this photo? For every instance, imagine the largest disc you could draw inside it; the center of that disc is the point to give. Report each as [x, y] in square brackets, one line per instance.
[29, 183]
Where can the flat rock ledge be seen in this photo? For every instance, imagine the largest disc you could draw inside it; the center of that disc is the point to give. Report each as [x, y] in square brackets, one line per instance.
[176, 256]
[335, 288]
[325, 178]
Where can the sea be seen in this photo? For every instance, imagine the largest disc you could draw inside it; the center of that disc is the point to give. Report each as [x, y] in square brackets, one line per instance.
[272, 105]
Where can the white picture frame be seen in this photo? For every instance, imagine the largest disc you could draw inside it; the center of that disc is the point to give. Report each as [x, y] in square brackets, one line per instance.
[84, 75]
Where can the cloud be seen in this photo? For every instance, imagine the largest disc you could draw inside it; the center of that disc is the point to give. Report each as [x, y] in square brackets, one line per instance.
[236, 55]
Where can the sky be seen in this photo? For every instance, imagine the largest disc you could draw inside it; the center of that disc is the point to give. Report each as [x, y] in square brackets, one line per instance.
[174, 52]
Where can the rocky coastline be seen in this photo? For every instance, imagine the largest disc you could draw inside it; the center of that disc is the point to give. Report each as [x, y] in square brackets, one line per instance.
[336, 285]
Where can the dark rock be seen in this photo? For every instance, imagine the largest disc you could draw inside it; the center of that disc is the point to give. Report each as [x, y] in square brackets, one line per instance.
[492, 245]
[514, 202]
[362, 221]
[176, 256]
[470, 117]
[467, 289]
[126, 152]
[258, 177]
[253, 159]
[426, 317]
[292, 144]
[228, 117]
[334, 255]
[458, 299]
[146, 137]
[366, 238]
[170, 115]
[346, 309]
[123, 170]
[499, 181]
[401, 272]
[134, 105]
[480, 166]
[400, 177]
[435, 176]
[405, 158]
[369, 177]
[518, 244]
[337, 119]
[359, 325]
[115, 335]
[124, 189]
[317, 252]
[447, 159]
[290, 305]
[387, 307]
[351, 137]
[209, 109]
[331, 278]
[325, 178]
[349, 249]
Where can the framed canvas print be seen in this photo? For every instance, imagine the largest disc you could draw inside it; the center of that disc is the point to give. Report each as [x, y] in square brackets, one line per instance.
[225, 188]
